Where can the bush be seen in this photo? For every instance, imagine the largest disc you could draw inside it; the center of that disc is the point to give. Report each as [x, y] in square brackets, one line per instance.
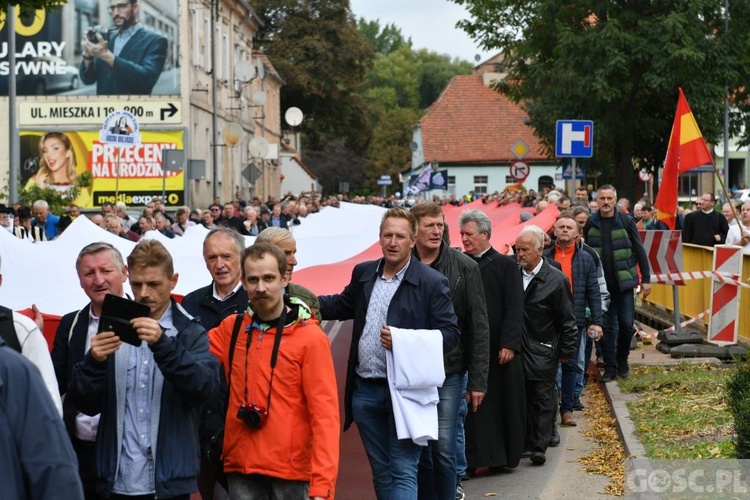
[738, 394]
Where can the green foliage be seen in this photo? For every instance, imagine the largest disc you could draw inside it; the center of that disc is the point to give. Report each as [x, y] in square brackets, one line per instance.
[28, 6]
[389, 149]
[738, 394]
[681, 411]
[57, 201]
[384, 40]
[317, 50]
[619, 64]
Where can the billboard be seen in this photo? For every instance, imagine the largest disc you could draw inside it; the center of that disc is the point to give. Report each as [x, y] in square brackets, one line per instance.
[90, 47]
[129, 173]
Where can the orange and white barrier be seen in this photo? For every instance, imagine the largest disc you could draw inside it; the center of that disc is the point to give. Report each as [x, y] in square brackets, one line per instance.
[725, 296]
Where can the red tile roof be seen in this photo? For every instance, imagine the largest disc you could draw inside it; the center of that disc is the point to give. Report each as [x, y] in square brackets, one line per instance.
[471, 123]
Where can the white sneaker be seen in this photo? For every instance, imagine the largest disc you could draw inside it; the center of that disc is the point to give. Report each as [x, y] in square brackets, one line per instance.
[460, 495]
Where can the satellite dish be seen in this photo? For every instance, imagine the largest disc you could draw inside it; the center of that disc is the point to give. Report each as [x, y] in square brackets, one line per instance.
[413, 146]
[244, 72]
[258, 147]
[232, 134]
[293, 116]
[477, 58]
[258, 98]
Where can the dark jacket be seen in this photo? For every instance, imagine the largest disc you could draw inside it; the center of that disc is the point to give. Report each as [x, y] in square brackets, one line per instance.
[548, 318]
[586, 290]
[421, 301]
[36, 457]
[467, 295]
[210, 311]
[135, 71]
[68, 349]
[190, 377]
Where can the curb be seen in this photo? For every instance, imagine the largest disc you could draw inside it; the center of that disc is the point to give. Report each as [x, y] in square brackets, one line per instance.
[625, 427]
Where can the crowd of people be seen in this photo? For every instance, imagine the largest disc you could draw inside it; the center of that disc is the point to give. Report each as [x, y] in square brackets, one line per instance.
[232, 392]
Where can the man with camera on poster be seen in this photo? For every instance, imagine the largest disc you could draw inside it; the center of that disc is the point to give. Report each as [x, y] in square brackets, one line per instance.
[133, 63]
[281, 438]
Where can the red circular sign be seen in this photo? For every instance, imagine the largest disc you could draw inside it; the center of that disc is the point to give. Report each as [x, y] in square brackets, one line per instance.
[519, 171]
[644, 175]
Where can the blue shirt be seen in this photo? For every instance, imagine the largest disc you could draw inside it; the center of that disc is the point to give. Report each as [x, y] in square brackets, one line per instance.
[136, 473]
[122, 38]
[371, 351]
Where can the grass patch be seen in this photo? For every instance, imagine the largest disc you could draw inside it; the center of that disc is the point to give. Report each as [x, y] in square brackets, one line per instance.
[681, 411]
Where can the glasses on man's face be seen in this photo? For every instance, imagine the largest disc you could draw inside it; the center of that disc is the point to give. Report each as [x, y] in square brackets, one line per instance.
[119, 6]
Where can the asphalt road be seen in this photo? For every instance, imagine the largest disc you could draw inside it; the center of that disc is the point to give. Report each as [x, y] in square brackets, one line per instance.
[560, 477]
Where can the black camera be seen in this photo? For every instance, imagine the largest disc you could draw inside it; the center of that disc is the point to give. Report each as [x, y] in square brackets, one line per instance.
[91, 34]
[252, 414]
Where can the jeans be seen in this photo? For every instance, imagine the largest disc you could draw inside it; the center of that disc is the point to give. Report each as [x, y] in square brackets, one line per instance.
[393, 461]
[259, 487]
[571, 370]
[619, 328]
[582, 360]
[437, 465]
[463, 409]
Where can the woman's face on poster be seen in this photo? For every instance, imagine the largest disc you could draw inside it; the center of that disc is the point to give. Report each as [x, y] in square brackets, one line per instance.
[55, 153]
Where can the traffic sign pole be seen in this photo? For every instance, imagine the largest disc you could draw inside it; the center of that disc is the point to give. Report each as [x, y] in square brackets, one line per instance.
[570, 183]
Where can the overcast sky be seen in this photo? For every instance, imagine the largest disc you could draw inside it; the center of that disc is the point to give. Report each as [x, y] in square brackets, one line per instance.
[431, 24]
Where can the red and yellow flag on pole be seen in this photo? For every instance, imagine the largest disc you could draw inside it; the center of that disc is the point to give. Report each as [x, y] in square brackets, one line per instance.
[687, 150]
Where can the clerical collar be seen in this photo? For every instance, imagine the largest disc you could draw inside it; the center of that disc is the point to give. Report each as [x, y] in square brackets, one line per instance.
[481, 254]
[707, 211]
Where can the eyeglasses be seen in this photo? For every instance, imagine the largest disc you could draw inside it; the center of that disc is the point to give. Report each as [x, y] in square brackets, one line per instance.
[119, 6]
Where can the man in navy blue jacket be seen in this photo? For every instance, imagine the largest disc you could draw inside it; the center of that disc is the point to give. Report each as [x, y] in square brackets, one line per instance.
[394, 291]
[36, 458]
[133, 64]
[149, 396]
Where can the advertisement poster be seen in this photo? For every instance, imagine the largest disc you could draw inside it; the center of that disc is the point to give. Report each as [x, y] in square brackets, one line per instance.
[89, 47]
[130, 173]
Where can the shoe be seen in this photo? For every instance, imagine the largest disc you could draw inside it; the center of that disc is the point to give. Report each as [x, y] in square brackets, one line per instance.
[555, 439]
[585, 379]
[470, 472]
[460, 495]
[566, 420]
[599, 362]
[577, 405]
[609, 375]
[526, 454]
[623, 369]
[537, 458]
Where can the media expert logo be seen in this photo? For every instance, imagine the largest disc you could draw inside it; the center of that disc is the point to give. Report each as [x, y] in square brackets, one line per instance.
[686, 478]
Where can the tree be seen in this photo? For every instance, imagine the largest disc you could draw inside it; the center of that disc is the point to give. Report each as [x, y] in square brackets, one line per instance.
[617, 63]
[389, 149]
[336, 163]
[318, 51]
[384, 40]
[28, 6]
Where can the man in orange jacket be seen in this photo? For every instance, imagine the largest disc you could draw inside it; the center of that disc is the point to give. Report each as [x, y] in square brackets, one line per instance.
[281, 438]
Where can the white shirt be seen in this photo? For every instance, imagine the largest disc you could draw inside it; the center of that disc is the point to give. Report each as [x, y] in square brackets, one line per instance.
[34, 347]
[527, 277]
[734, 237]
[86, 426]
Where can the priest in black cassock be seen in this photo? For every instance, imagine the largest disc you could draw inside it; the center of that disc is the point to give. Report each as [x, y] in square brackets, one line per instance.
[495, 433]
[705, 226]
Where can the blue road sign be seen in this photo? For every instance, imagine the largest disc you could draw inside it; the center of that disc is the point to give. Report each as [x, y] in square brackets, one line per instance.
[574, 139]
[568, 172]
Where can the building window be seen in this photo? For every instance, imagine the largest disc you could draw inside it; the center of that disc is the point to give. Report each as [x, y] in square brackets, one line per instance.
[196, 40]
[225, 58]
[480, 184]
[207, 42]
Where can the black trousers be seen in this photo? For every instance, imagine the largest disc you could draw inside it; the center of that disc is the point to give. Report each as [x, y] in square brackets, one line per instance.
[541, 404]
[86, 453]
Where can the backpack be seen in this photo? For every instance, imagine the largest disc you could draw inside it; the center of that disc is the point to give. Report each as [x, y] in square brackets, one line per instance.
[8, 330]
